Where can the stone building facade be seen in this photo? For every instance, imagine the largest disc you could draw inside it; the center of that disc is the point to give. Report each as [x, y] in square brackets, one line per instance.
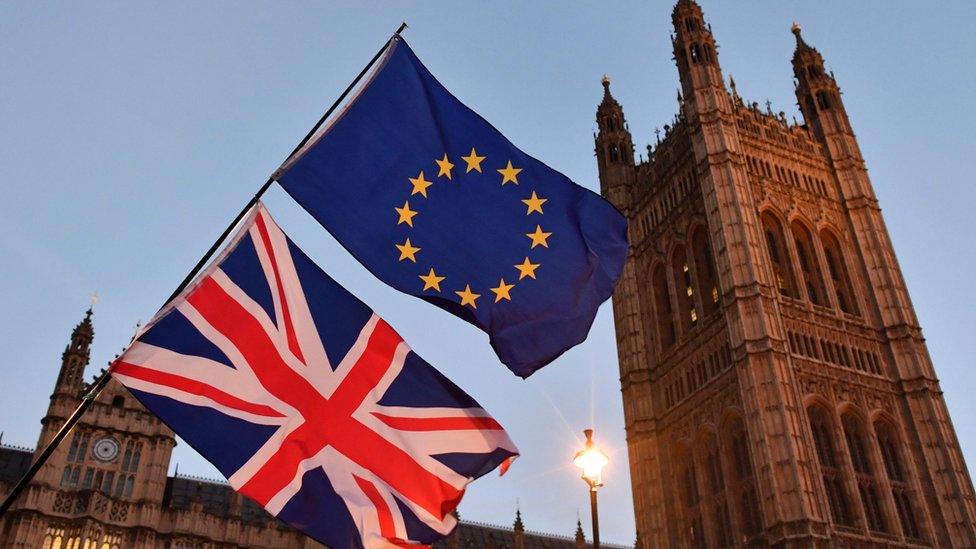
[777, 388]
[107, 487]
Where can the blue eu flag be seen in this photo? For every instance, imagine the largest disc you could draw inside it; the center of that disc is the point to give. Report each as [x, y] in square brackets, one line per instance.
[438, 204]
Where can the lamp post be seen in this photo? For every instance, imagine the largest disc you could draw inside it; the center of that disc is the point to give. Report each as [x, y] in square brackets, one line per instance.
[592, 460]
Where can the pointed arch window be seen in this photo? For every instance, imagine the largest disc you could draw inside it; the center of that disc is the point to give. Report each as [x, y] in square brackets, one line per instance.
[741, 486]
[684, 288]
[901, 491]
[867, 484]
[662, 305]
[695, 53]
[809, 265]
[714, 501]
[778, 255]
[837, 267]
[66, 477]
[823, 100]
[614, 152]
[705, 270]
[119, 486]
[833, 477]
[691, 499]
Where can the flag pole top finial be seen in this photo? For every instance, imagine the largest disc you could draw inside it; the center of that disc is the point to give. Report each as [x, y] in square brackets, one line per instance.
[94, 299]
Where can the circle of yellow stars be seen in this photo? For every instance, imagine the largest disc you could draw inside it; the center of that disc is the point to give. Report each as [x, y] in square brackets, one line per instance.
[418, 192]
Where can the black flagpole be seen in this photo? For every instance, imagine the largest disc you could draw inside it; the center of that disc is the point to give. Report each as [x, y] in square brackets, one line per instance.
[102, 381]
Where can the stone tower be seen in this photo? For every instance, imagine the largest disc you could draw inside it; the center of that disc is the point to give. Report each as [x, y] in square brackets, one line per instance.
[777, 389]
[107, 478]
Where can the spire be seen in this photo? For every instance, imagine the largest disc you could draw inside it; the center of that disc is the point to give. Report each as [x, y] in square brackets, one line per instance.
[695, 52]
[75, 356]
[801, 45]
[686, 4]
[817, 92]
[580, 536]
[614, 146]
[518, 529]
[609, 104]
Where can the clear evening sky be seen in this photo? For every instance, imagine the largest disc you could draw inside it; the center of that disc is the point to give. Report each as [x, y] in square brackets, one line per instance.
[133, 132]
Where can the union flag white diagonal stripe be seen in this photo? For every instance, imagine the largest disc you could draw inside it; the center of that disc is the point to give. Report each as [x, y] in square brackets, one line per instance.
[380, 461]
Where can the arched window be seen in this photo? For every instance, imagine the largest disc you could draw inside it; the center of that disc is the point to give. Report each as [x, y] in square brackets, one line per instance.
[867, 484]
[833, 477]
[53, 538]
[823, 100]
[686, 292]
[714, 502]
[889, 445]
[81, 450]
[838, 272]
[119, 486]
[614, 152]
[73, 449]
[809, 266]
[66, 477]
[705, 270]
[691, 499]
[742, 493]
[708, 53]
[778, 255]
[135, 458]
[128, 486]
[662, 305]
[87, 483]
[107, 483]
[695, 53]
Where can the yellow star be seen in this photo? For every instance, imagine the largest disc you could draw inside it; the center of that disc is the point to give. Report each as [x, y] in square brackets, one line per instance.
[473, 160]
[527, 269]
[468, 297]
[444, 167]
[431, 280]
[501, 292]
[534, 203]
[406, 214]
[419, 185]
[509, 174]
[408, 251]
[539, 238]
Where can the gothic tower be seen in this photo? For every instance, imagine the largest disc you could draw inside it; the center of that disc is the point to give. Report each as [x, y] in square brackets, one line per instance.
[777, 389]
[109, 474]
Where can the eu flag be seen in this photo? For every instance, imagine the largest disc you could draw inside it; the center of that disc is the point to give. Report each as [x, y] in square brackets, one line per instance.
[437, 203]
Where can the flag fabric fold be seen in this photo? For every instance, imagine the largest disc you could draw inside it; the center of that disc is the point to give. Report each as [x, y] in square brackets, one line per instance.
[437, 203]
[309, 403]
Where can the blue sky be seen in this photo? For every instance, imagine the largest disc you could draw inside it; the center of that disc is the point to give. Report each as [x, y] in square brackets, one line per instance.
[133, 132]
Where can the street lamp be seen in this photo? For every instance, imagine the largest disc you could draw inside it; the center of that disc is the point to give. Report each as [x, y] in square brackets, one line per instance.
[592, 460]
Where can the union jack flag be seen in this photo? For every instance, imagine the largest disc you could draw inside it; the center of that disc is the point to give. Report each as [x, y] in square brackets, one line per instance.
[308, 402]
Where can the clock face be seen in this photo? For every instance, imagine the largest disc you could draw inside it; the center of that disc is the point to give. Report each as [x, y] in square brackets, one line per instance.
[105, 449]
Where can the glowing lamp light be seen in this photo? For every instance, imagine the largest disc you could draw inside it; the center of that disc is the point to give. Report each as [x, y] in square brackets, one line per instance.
[591, 461]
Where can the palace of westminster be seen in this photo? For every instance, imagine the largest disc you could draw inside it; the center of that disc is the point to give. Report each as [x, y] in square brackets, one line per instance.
[777, 389]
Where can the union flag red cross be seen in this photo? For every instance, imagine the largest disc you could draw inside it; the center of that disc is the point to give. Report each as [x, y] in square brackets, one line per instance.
[268, 369]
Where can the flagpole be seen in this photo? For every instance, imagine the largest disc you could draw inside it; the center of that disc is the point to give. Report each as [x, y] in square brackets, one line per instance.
[102, 380]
